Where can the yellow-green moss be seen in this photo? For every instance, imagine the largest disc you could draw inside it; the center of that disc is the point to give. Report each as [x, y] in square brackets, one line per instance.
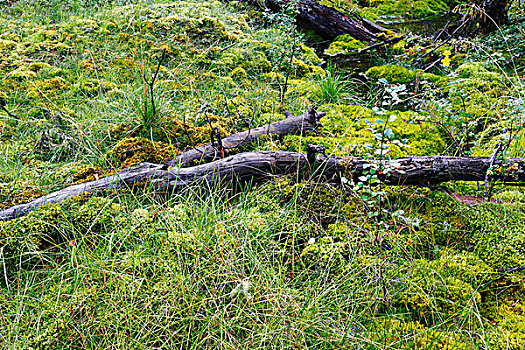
[309, 56]
[44, 229]
[22, 73]
[393, 73]
[239, 73]
[404, 8]
[344, 44]
[498, 234]
[52, 85]
[477, 70]
[414, 335]
[323, 254]
[132, 150]
[7, 45]
[18, 193]
[93, 87]
[347, 132]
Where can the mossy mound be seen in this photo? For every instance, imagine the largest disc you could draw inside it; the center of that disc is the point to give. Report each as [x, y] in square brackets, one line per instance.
[395, 74]
[26, 240]
[344, 44]
[132, 150]
[477, 70]
[399, 9]
[347, 131]
[498, 235]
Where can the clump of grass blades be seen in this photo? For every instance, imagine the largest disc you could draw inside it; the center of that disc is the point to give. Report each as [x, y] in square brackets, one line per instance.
[331, 88]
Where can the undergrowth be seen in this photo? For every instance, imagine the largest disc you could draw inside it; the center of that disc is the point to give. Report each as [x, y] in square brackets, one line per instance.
[292, 263]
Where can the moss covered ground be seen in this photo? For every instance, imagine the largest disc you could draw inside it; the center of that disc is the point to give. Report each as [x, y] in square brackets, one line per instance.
[291, 263]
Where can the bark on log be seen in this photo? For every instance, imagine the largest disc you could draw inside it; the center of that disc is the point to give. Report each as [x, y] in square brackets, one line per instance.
[422, 171]
[291, 125]
[127, 177]
[257, 166]
[325, 21]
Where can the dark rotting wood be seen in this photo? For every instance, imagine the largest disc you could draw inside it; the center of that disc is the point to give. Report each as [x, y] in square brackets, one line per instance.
[325, 21]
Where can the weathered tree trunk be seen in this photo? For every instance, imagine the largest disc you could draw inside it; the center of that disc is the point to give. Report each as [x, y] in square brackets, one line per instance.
[290, 126]
[258, 166]
[422, 171]
[325, 21]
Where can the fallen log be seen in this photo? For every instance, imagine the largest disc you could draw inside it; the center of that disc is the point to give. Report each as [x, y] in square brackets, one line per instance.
[421, 171]
[303, 123]
[290, 126]
[261, 165]
[127, 177]
[325, 21]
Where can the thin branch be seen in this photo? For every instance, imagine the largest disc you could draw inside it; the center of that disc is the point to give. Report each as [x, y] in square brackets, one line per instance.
[386, 42]
[8, 113]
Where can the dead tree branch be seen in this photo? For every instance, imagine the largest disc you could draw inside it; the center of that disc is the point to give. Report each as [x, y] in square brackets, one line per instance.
[258, 166]
[291, 125]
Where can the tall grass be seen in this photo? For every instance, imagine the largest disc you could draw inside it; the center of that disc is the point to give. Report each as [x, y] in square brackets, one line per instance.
[332, 88]
[296, 263]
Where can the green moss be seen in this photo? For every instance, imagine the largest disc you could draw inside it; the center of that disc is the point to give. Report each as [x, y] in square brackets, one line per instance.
[436, 294]
[422, 76]
[249, 60]
[32, 239]
[38, 66]
[18, 193]
[132, 150]
[399, 47]
[393, 73]
[7, 45]
[309, 56]
[445, 222]
[476, 97]
[477, 70]
[344, 44]
[499, 236]
[346, 130]
[22, 73]
[274, 77]
[94, 87]
[389, 9]
[53, 85]
[414, 335]
[239, 73]
[396, 74]
[325, 256]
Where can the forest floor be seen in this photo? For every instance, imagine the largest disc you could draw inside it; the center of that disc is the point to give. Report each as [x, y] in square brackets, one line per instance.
[295, 262]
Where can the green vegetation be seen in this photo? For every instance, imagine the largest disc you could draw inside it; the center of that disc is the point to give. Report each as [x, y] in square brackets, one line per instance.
[296, 262]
